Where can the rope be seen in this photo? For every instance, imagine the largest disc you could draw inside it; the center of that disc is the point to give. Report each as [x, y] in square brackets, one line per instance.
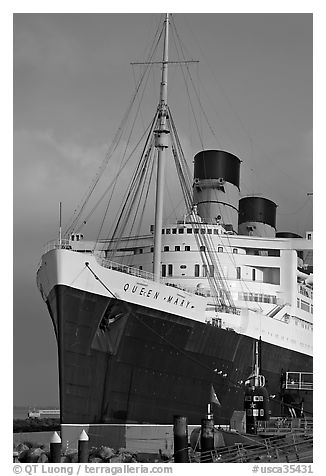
[98, 279]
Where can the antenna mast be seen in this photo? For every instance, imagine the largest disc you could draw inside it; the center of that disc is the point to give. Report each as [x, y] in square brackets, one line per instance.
[161, 143]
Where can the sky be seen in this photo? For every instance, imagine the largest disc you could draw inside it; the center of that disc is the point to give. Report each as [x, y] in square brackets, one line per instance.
[72, 81]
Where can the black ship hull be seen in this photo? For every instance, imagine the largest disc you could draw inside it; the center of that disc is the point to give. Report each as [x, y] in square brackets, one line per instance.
[123, 363]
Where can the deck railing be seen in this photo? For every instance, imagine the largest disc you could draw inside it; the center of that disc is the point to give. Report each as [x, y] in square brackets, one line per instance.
[57, 245]
[106, 263]
[289, 449]
[299, 381]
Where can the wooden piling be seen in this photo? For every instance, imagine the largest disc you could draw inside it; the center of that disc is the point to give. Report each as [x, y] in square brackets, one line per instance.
[55, 448]
[207, 440]
[180, 434]
[83, 447]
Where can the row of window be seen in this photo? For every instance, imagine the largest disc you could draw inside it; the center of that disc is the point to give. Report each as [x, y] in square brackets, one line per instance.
[304, 324]
[206, 271]
[201, 248]
[209, 271]
[189, 231]
[220, 249]
[257, 297]
[301, 304]
[255, 412]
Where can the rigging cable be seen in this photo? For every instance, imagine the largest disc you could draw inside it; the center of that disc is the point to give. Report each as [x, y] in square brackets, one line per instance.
[125, 151]
[113, 181]
[134, 182]
[196, 92]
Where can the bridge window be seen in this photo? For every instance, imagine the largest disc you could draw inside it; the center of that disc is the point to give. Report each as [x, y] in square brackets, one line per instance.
[166, 248]
[209, 231]
[238, 272]
[187, 248]
[163, 270]
[174, 231]
[177, 248]
[220, 249]
[202, 248]
[181, 231]
[170, 269]
[189, 231]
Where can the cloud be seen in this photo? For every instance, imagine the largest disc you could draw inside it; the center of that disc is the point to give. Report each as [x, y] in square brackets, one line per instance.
[40, 158]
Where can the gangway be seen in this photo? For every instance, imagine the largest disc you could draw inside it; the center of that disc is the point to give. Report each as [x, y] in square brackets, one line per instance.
[298, 381]
[278, 449]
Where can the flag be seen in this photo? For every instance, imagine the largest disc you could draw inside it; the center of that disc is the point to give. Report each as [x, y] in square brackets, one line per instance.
[214, 398]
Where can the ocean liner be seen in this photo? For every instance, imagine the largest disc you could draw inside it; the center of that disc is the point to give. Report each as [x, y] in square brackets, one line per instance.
[148, 324]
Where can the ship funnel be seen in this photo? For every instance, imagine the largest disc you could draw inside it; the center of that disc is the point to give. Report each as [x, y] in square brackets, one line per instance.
[216, 187]
[257, 217]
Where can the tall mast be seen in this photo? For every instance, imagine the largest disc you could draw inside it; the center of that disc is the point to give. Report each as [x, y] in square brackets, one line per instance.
[161, 143]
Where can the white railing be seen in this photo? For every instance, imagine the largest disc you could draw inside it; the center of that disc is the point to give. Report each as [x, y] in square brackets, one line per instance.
[106, 263]
[57, 245]
[299, 381]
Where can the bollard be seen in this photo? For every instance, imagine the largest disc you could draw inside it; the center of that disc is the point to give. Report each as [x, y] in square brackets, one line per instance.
[83, 448]
[207, 440]
[180, 434]
[55, 448]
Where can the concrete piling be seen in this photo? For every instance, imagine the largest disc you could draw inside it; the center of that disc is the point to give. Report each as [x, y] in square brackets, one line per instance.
[83, 447]
[180, 435]
[55, 448]
[207, 440]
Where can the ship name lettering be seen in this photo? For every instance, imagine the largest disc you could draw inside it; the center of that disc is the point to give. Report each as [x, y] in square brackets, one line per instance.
[142, 291]
[169, 299]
